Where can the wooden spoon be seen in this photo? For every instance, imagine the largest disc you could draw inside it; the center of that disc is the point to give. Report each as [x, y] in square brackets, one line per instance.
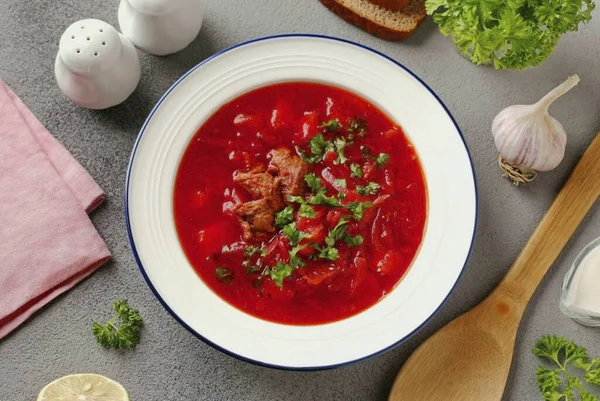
[469, 359]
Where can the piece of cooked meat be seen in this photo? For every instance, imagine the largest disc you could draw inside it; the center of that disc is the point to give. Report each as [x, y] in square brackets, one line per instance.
[261, 185]
[256, 217]
[291, 170]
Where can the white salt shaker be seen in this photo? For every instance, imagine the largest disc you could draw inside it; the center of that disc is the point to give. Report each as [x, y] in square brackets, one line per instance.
[96, 67]
[161, 27]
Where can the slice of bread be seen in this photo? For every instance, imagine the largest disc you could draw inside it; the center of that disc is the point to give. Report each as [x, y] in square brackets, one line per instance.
[376, 20]
[391, 4]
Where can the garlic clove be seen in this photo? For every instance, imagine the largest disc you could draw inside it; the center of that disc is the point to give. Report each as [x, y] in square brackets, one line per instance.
[528, 138]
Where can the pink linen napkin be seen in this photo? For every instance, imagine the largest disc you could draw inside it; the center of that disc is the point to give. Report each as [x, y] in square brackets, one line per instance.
[47, 242]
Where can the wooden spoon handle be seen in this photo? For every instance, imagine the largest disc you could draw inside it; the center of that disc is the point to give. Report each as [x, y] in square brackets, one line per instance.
[556, 227]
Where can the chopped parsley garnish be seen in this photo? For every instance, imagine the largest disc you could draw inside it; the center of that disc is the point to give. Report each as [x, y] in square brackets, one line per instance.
[322, 199]
[382, 160]
[319, 197]
[295, 260]
[329, 253]
[307, 211]
[358, 125]
[224, 275]
[353, 241]
[318, 147]
[338, 232]
[295, 199]
[286, 216]
[366, 153]
[370, 189]
[293, 234]
[340, 144]
[251, 269]
[253, 250]
[314, 183]
[279, 272]
[331, 125]
[356, 171]
[340, 184]
[358, 209]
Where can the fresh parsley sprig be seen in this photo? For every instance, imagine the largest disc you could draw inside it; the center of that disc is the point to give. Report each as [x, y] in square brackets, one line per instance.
[122, 331]
[559, 383]
[509, 34]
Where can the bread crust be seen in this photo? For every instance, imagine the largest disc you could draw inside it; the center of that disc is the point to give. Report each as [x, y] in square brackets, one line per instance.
[367, 25]
[394, 5]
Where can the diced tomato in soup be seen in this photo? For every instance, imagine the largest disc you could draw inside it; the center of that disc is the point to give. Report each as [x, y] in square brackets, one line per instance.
[300, 203]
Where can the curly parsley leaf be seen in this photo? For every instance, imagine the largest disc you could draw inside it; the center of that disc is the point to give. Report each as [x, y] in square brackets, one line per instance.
[382, 160]
[356, 171]
[559, 382]
[370, 189]
[548, 380]
[512, 34]
[307, 211]
[122, 335]
[358, 209]
[285, 216]
[331, 125]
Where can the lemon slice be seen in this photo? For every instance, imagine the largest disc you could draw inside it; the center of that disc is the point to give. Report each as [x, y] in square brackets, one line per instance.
[83, 387]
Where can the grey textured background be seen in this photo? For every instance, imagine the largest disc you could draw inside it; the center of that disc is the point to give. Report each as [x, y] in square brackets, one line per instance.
[170, 363]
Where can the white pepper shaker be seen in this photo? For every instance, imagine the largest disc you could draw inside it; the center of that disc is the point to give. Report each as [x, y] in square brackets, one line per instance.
[96, 67]
[161, 27]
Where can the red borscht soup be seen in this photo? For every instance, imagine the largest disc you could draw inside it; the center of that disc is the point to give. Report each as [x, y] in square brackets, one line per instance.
[300, 203]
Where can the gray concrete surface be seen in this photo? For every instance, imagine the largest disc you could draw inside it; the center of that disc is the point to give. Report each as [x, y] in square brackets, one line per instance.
[170, 363]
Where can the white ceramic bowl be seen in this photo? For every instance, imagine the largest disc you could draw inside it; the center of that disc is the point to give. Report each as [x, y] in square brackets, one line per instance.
[452, 206]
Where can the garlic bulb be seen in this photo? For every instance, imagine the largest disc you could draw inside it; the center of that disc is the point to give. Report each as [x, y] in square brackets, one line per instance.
[528, 138]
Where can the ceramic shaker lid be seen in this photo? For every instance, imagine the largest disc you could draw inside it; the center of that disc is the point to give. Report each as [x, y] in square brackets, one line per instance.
[90, 46]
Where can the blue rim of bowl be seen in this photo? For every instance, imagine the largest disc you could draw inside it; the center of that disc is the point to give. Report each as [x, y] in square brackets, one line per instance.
[243, 358]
